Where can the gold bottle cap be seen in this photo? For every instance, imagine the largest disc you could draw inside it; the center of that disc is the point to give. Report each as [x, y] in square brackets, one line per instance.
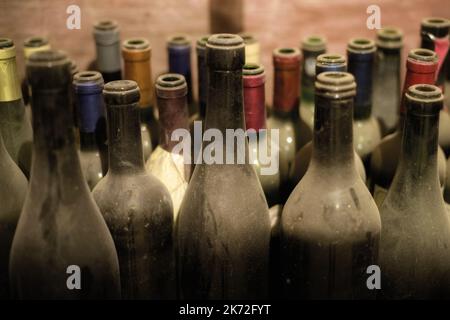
[9, 82]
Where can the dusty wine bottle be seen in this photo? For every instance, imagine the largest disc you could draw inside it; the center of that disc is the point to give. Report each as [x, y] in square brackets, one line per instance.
[416, 267]
[136, 55]
[12, 196]
[136, 206]
[179, 57]
[107, 45]
[324, 62]
[88, 87]
[421, 67]
[386, 80]
[330, 224]
[254, 79]
[60, 230]
[166, 164]
[223, 228]
[15, 126]
[366, 129]
[284, 114]
[311, 47]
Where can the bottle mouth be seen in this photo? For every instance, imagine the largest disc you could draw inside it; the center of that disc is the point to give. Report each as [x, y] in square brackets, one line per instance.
[225, 40]
[252, 69]
[171, 80]
[6, 43]
[179, 40]
[335, 85]
[361, 45]
[136, 44]
[88, 77]
[35, 42]
[330, 59]
[286, 52]
[121, 92]
[425, 93]
[314, 43]
[106, 25]
[424, 55]
[435, 22]
[45, 57]
[390, 37]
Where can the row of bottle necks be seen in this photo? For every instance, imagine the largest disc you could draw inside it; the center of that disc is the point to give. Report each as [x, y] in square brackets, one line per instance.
[172, 93]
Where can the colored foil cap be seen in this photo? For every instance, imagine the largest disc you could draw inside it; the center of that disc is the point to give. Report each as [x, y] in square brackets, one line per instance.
[254, 96]
[88, 82]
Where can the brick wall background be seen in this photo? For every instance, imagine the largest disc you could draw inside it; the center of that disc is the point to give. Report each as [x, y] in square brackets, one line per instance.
[274, 22]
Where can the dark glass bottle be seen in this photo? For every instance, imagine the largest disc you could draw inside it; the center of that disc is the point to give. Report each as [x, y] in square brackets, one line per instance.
[12, 196]
[136, 206]
[386, 80]
[366, 129]
[311, 47]
[179, 54]
[137, 55]
[107, 45]
[223, 228]
[254, 79]
[165, 163]
[252, 48]
[414, 255]
[421, 67]
[60, 225]
[435, 36]
[30, 46]
[15, 126]
[324, 62]
[285, 115]
[330, 224]
[88, 87]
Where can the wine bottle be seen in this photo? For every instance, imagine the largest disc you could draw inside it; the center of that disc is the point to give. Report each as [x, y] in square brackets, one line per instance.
[366, 129]
[179, 57]
[226, 16]
[61, 242]
[223, 228]
[30, 46]
[136, 206]
[324, 62]
[421, 67]
[12, 197]
[88, 87]
[386, 80]
[15, 126]
[311, 47]
[254, 79]
[136, 55]
[107, 44]
[330, 224]
[166, 164]
[414, 256]
[252, 48]
[435, 36]
[284, 115]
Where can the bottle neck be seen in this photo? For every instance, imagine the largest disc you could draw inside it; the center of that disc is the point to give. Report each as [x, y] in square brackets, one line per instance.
[180, 62]
[124, 139]
[91, 115]
[309, 75]
[361, 66]
[418, 158]
[286, 89]
[254, 102]
[202, 81]
[173, 115]
[333, 136]
[10, 89]
[54, 150]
